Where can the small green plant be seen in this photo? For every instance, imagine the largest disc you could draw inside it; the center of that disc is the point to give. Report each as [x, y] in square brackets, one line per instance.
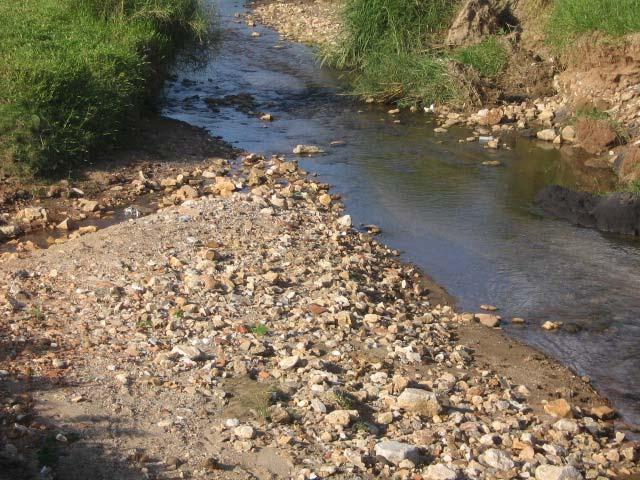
[144, 324]
[488, 58]
[344, 399]
[178, 313]
[259, 330]
[36, 314]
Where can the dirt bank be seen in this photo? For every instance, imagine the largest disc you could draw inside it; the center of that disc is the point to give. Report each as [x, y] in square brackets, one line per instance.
[252, 333]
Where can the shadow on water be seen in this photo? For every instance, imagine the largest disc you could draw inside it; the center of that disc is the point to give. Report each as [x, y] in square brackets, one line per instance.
[473, 228]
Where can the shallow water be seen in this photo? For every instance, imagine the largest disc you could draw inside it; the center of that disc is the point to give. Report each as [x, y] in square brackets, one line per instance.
[472, 228]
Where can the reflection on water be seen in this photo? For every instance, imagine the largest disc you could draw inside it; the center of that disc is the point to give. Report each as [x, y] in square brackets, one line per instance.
[471, 227]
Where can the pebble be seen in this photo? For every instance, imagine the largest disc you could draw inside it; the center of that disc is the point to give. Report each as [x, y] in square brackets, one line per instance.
[395, 452]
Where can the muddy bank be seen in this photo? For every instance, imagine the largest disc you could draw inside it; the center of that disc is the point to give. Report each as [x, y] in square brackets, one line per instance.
[615, 213]
[36, 213]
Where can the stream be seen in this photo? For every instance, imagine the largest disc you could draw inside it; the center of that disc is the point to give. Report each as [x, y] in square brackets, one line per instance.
[472, 228]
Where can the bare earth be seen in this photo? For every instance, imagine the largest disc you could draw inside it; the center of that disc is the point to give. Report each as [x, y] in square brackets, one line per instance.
[254, 334]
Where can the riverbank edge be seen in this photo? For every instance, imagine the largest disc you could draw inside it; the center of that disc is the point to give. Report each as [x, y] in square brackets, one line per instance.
[576, 116]
[544, 378]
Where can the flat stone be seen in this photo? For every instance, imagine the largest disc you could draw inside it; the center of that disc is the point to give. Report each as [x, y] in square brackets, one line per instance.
[566, 425]
[307, 150]
[420, 401]
[552, 472]
[440, 472]
[488, 319]
[603, 412]
[498, 459]
[288, 363]
[396, 452]
[189, 351]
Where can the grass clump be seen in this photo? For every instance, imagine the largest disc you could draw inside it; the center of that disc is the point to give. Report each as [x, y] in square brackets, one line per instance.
[74, 74]
[386, 46]
[489, 58]
[572, 18]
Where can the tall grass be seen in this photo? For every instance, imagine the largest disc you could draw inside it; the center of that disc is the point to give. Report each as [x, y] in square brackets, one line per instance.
[572, 18]
[74, 74]
[488, 58]
[386, 46]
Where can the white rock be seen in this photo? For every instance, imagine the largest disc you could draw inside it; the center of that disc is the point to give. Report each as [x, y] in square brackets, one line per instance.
[552, 472]
[565, 425]
[497, 459]
[440, 472]
[396, 452]
[232, 422]
[189, 351]
[345, 221]
[288, 363]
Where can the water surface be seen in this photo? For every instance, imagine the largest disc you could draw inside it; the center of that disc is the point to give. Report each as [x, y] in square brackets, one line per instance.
[472, 228]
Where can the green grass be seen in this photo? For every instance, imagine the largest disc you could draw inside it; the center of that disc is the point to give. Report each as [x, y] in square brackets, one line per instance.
[74, 74]
[489, 58]
[572, 18]
[386, 48]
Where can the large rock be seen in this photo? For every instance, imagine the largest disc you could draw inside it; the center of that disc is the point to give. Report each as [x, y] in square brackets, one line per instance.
[616, 213]
[396, 452]
[476, 20]
[595, 136]
[628, 166]
[548, 135]
[419, 401]
[552, 472]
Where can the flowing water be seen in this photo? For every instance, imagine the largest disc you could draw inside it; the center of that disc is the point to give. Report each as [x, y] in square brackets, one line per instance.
[471, 227]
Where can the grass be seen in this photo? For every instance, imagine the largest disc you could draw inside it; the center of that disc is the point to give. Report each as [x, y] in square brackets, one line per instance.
[573, 18]
[386, 48]
[489, 58]
[75, 74]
